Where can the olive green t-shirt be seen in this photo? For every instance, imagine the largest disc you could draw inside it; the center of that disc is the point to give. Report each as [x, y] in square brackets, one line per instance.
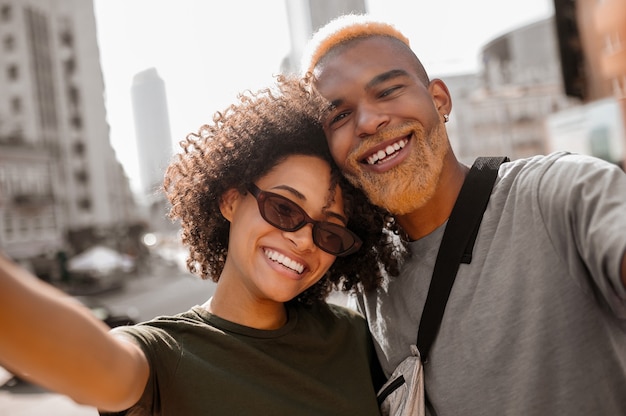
[322, 362]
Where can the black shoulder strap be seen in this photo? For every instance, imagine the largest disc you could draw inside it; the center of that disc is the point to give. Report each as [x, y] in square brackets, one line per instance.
[456, 245]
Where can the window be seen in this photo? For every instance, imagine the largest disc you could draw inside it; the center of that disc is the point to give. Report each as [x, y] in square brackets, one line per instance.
[9, 43]
[8, 227]
[85, 204]
[73, 95]
[37, 226]
[16, 105]
[66, 38]
[12, 72]
[6, 13]
[76, 121]
[23, 225]
[70, 66]
[81, 176]
[79, 148]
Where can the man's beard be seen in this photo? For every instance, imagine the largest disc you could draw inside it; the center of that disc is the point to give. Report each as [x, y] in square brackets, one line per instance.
[408, 186]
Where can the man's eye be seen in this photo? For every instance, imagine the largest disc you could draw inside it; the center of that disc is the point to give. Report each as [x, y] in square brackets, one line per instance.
[389, 91]
[337, 118]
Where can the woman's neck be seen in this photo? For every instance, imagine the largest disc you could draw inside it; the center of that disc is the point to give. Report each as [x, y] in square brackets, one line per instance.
[247, 311]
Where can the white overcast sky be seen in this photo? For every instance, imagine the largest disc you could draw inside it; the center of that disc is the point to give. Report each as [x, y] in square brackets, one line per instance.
[207, 51]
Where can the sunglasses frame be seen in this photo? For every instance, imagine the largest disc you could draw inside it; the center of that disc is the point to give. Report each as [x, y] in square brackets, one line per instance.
[261, 196]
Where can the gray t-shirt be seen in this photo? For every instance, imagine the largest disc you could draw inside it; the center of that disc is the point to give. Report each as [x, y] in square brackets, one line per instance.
[536, 324]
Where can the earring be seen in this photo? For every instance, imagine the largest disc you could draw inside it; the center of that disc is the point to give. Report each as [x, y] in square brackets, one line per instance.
[446, 118]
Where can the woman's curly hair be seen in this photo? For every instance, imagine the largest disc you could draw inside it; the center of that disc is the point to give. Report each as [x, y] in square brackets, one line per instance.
[243, 143]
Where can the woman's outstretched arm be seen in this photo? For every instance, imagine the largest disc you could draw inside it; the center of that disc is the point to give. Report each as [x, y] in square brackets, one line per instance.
[54, 341]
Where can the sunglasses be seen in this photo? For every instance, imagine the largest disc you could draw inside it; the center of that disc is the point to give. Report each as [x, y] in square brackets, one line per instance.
[286, 215]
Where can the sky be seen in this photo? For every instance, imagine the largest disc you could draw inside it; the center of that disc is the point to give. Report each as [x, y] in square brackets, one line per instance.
[207, 51]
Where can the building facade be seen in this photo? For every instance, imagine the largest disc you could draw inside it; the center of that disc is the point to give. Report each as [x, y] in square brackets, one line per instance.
[502, 110]
[59, 175]
[592, 35]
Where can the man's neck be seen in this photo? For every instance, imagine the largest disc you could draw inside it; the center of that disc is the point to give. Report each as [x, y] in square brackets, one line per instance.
[436, 211]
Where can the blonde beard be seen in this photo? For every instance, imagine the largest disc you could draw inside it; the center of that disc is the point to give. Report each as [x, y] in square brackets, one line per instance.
[408, 186]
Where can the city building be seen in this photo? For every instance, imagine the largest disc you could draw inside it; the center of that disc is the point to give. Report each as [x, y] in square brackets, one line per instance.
[502, 110]
[60, 182]
[154, 147]
[152, 128]
[592, 41]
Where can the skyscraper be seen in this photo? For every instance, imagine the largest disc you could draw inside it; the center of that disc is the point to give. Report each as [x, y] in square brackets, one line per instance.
[152, 129]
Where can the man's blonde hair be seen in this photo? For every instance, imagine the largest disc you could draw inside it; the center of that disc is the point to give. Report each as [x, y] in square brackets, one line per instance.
[343, 29]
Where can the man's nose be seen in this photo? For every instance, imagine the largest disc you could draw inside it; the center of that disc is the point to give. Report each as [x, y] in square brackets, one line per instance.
[369, 120]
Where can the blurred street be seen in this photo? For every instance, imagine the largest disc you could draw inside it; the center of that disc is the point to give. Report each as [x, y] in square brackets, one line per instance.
[165, 290]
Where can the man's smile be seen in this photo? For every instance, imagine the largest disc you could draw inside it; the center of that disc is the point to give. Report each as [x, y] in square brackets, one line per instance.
[384, 152]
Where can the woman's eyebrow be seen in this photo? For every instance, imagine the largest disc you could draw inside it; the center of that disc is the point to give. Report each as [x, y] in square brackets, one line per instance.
[291, 190]
[335, 215]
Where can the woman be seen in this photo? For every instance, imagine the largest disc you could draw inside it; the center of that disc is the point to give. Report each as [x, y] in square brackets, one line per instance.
[264, 214]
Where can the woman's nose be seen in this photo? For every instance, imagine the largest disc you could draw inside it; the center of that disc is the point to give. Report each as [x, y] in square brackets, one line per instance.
[302, 238]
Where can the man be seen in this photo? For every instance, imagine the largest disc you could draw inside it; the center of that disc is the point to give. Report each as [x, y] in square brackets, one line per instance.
[536, 323]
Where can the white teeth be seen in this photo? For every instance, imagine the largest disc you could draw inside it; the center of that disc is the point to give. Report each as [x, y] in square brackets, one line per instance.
[284, 260]
[389, 150]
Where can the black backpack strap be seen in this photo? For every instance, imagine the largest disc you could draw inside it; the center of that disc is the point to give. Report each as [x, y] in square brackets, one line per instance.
[456, 245]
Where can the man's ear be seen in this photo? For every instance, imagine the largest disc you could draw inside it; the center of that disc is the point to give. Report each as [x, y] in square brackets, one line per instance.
[441, 96]
[228, 203]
